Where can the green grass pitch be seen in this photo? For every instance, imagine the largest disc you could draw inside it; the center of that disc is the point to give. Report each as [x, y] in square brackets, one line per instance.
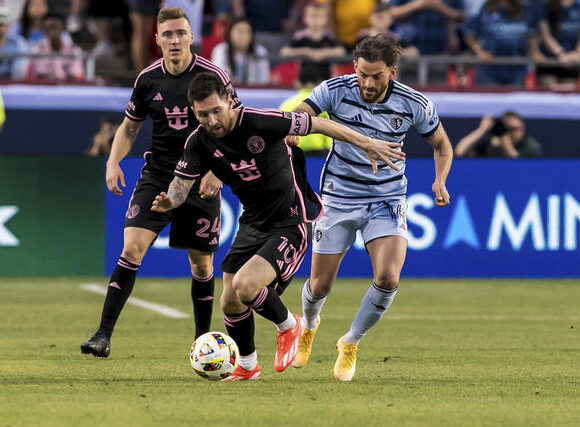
[448, 353]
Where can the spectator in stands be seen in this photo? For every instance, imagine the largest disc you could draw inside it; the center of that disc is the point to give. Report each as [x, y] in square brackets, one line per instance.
[502, 137]
[31, 21]
[349, 18]
[194, 11]
[501, 28]
[315, 41]
[429, 24]
[11, 68]
[103, 139]
[142, 14]
[269, 20]
[241, 57]
[381, 21]
[559, 29]
[56, 68]
[308, 78]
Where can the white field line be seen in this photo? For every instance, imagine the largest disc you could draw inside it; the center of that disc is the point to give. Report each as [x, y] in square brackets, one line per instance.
[176, 314]
[157, 308]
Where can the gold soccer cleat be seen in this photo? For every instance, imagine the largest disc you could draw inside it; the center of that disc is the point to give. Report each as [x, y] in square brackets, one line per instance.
[345, 365]
[305, 346]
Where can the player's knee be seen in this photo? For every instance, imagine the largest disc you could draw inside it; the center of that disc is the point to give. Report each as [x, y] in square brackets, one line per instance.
[134, 252]
[229, 302]
[244, 287]
[388, 280]
[320, 288]
[201, 269]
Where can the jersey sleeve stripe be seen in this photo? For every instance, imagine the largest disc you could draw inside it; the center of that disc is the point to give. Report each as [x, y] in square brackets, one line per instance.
[145, 70]
[135, 118]
[410, 96]
[185, 175]
[412, 92]
[432, 131]
[212, 67]
[315, 107]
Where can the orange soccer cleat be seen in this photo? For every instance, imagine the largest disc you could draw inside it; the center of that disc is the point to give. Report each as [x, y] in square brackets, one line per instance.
[241, 374]
[287, 345]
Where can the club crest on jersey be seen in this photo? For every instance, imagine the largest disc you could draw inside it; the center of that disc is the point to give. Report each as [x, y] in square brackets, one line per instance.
[317, 235]
[177, 118]
[256, 144]
[133, 211]
[396, 122]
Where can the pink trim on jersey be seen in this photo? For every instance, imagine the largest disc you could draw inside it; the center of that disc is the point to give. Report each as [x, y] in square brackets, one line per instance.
[145, 158]
[185, 174]
[260, 299]
[190, 135]
[300, 195]
[264, 112]
[131, 116]
[291, 268]
[151, 67]
[193, 62]
[163, 66]
[202, 279]
[208, 65]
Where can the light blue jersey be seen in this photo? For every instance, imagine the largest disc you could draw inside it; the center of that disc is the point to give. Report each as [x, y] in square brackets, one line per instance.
[347, 177]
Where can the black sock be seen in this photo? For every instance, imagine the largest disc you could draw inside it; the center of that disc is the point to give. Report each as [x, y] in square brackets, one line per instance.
[269, 305]
[120, 287]
[241, 328]
[202, 297]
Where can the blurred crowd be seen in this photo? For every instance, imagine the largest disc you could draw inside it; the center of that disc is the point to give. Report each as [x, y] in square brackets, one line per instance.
[260, 42]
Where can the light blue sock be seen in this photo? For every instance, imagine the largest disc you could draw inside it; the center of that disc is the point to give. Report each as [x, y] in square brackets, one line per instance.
[311, 306]
[374, 305]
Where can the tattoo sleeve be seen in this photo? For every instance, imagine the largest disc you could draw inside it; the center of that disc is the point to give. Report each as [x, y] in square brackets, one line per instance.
[179, 189]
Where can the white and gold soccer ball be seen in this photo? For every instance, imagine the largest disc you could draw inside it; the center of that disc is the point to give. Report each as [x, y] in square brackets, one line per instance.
[214, 356]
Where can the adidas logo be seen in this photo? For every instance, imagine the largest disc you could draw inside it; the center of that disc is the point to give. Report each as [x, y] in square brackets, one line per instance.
[217, 153]
[213, 241]
[158, 97]
[330, 187]
[357, 118]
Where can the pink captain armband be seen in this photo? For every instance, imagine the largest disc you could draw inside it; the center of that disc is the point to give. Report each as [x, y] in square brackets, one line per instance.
[301, 124]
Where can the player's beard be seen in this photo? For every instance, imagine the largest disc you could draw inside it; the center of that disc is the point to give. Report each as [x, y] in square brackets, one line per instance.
[373, 94]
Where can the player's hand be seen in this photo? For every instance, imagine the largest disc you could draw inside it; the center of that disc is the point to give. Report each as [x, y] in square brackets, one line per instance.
[162, 203]
[113, 176]
[384, 151]
[291, 140]
[209, 186]
[441, 194]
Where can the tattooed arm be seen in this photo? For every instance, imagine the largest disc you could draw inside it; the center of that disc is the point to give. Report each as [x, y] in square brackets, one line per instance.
[175, 196]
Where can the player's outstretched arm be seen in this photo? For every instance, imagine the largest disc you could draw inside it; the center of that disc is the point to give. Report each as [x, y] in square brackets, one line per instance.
[443, 156]
[122, 143]
[375, 149]
[175, 196]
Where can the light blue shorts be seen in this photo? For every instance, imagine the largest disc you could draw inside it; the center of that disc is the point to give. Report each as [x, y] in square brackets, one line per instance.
[336, 230]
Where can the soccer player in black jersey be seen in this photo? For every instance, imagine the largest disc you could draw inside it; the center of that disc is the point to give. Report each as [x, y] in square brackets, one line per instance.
[245, 148]
[160, 92]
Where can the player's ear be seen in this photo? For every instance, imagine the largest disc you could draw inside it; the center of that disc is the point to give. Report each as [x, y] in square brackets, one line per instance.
[393, 72]
[157, 39]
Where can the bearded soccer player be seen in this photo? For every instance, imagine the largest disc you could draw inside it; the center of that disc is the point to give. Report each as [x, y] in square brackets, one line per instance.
[160, 92]
[373, 103]
[245, 149]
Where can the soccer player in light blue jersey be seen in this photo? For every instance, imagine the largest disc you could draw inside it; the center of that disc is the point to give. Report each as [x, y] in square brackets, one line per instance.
[373, 103]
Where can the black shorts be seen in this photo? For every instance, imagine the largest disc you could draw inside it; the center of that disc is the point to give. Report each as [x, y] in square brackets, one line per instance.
[194, 225]
[284, 248]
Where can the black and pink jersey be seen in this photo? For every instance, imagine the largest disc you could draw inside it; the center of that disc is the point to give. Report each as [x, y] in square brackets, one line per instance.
[266, 175]
[163, 96]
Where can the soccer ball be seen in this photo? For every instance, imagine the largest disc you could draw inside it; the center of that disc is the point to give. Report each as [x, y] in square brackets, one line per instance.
[214, 356]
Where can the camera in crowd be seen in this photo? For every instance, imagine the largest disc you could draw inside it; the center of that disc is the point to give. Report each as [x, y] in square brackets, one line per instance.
[499, 128]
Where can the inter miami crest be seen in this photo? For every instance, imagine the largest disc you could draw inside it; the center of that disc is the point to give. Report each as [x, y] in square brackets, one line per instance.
[396, 122]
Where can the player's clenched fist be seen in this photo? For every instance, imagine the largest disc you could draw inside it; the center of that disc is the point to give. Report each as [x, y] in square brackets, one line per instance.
[162, 203]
